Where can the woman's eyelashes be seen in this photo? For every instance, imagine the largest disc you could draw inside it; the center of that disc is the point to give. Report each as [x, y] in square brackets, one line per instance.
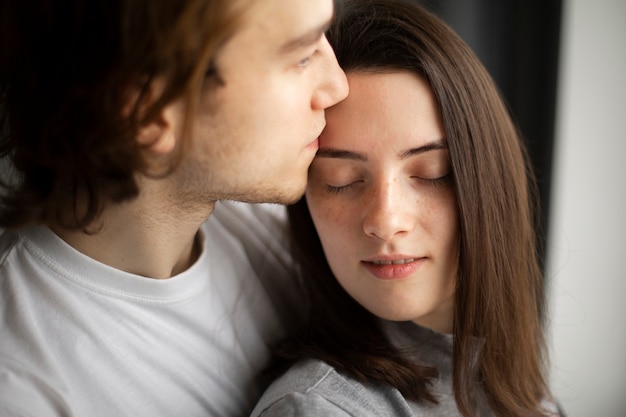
[434, 181]
[338, 189]
[434, 170]
[346, 186]
[421, 172]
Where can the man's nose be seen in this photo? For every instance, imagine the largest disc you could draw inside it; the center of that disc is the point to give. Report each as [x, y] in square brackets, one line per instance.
[333, 85]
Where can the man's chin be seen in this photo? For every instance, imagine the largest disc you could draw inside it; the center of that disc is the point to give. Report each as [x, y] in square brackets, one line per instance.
[287, 194]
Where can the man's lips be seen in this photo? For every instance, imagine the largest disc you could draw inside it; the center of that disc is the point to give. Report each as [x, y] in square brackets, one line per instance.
[314, 144]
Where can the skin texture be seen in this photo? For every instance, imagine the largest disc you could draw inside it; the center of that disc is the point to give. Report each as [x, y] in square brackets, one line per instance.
[380, 190]
[252, 139]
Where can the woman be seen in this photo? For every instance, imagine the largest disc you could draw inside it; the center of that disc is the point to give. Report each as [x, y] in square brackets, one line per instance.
[416, 237]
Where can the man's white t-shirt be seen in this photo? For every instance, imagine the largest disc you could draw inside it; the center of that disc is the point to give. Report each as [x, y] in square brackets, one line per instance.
[80, 338]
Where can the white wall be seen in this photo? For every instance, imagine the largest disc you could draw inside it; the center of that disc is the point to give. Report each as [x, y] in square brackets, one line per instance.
[587, 237]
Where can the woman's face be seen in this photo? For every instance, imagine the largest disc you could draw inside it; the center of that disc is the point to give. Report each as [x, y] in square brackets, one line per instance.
[381, 197]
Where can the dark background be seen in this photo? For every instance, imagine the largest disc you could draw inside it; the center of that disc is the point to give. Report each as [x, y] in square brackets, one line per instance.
[518, 42]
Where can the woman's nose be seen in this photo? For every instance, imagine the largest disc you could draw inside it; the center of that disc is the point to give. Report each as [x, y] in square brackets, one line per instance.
[389, 212]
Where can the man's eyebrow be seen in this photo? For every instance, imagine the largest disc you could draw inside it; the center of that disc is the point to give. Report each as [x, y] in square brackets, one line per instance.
[306, 39]
[435, 145]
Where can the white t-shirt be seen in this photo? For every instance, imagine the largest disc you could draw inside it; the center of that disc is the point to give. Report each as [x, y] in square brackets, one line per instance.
[80, 338]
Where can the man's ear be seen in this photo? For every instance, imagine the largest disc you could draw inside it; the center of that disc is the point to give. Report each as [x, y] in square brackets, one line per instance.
[157, 138]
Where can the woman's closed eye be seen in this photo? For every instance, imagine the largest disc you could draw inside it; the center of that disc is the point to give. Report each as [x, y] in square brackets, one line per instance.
[432, 168]
[434, 180]
[342, 188]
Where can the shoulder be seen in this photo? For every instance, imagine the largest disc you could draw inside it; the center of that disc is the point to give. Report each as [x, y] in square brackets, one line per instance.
[552, 407]
[314, 388]
[303, 390]
[8, 240]
[24, 392]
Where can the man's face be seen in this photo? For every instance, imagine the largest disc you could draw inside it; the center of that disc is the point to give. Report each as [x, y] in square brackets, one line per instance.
[255, 136]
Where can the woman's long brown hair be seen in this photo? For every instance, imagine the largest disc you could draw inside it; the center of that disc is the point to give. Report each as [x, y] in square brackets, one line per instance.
[499, 292]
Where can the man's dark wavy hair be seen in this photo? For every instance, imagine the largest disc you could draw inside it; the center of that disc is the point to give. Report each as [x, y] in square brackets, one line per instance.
[76, 84]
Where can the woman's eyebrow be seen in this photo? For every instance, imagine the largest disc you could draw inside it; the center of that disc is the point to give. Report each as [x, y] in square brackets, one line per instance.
[356, 156]
[431, 146]
[340, 154]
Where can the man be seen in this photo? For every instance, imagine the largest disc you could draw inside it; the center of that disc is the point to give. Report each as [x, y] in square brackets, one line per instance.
[125, 122]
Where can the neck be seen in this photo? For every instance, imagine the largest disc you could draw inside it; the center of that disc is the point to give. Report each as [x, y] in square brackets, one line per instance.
[148, 236]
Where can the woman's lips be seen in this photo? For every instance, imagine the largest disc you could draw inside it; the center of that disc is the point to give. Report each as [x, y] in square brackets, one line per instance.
[394, 262]
[387, 269]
